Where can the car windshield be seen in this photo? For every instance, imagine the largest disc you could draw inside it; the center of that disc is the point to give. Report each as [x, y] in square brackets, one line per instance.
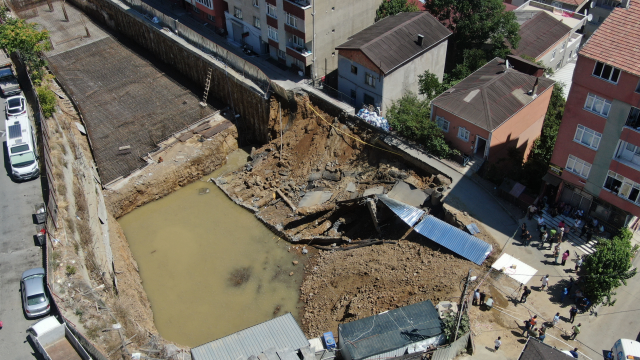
[36, 299]
[19, 149]
[23, 160]
[14, 103]
[5, 72]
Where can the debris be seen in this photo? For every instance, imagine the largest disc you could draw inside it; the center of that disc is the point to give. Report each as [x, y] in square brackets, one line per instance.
[314, 198]
[374, 191]
[310, 210]
[291, 273]
[203, 191]
[351, 187]
[295, 262]
[286, 199]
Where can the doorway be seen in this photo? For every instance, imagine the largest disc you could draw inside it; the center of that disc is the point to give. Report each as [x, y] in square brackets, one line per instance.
[481, 145]
[237, 32]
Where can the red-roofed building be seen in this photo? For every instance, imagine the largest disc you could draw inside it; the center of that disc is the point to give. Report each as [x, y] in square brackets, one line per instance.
[597, 153]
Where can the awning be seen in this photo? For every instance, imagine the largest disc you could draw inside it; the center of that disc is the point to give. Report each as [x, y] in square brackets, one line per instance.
[515, 268]
[454, 239]
[551, 179]
[407, 213]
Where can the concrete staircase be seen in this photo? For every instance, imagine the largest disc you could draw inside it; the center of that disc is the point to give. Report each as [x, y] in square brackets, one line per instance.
[573, 237]
[474, 164]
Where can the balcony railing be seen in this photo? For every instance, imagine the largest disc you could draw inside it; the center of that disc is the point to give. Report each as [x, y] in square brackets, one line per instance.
[305, 4]
[299, 49]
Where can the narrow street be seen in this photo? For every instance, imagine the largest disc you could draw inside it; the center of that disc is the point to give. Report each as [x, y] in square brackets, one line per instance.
[18, 252]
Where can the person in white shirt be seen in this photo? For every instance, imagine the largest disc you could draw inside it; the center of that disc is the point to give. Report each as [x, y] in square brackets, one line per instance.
[498, 343]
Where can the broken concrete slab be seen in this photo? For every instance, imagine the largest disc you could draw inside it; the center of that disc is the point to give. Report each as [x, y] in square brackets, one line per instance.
[351, 187]
[442, 180]
[186, 136]
[408, 194]
[332, 175]
[374, 191]
[314, 198]
[315, 176]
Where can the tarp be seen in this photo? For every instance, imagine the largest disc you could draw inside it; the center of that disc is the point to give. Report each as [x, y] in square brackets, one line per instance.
[407, 213]
[454, 239]
[515, 268]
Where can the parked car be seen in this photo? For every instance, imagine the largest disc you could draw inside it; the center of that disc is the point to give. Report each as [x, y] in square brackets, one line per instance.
[34, 299]
[16, 105]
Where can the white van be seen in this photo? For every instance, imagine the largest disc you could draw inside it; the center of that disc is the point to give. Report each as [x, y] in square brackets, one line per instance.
[625, 349]
[21, 147]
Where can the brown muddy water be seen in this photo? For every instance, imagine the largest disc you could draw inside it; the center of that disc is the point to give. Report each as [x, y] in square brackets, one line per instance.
[209, 267]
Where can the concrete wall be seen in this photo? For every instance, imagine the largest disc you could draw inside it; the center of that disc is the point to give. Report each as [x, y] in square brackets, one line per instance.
[225, 88]
[405, 79]
[561, 57]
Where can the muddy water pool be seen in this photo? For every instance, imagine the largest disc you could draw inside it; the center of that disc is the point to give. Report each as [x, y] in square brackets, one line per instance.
[208, 266]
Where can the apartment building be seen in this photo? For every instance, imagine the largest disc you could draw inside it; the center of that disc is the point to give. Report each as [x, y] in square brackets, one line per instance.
[596, 160]
[208, 11]
[599, 10]
[571, 5]
[284, 29]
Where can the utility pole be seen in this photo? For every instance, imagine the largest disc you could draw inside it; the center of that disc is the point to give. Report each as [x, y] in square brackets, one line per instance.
[462, 299]
[313, 44]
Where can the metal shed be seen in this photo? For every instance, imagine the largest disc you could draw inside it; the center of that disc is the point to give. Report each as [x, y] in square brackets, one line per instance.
[392, 333]
[454, 239]
[281, 334]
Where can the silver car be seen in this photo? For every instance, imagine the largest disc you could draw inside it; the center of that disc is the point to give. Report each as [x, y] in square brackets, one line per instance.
[34, 299]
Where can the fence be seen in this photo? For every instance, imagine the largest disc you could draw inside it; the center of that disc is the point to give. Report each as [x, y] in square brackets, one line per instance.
[451, 351]
[228, 58]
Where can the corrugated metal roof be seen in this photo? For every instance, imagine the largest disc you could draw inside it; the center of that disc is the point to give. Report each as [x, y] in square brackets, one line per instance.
[407, 213]
[503, 92]
[279, 333]
[390, 331]
[564, 76]
[454, 239]
[394, 40]
[540, 33]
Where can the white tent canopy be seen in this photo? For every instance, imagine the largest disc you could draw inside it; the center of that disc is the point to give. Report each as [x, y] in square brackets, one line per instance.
[515, 268]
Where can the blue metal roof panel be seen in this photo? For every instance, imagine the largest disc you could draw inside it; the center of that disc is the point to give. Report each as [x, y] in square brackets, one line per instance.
[454, 239]
[279, 333]
[407, 213]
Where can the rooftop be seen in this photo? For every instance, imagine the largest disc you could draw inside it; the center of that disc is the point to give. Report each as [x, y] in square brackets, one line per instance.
[530, 8]
[279, 334]
[491, 95]
[617, 40]
[393, 40]
[535, 350]
[390, 330]
[539, 33]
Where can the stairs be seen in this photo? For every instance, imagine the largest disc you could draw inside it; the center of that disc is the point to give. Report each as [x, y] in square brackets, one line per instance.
[573, 235]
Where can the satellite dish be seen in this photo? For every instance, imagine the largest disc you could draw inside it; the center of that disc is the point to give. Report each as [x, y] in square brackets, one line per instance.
[593, 4]
[589, 17]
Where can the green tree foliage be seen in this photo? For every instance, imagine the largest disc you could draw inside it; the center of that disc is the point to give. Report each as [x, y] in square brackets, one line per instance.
[392, 7]
[451, 321]
[429, 86]
[608, 268]
[410, 117]
[475, 23]
[47, 100]
[17, 35]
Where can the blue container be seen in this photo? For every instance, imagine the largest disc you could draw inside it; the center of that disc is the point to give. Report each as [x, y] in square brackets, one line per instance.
[329, 341]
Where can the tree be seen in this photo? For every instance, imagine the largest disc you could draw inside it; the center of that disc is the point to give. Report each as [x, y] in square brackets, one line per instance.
[17, 35]
[608, 268]
[451, 321]
[392, 7]
[429, 85]
[475, 23]
[410, 117]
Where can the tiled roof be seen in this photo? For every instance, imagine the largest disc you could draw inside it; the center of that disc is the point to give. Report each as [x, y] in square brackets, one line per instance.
[491, 95]
[617, 40]
[539, 34]
[393, 41]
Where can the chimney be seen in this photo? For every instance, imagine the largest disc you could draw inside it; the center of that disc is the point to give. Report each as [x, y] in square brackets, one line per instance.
[624, 4]
[420, 39]
[535, 87]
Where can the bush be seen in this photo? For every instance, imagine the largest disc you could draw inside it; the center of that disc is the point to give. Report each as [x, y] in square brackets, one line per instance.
[451, 321]
[71, 270]
[47, 101]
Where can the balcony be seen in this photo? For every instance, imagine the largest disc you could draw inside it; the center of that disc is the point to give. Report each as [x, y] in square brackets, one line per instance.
[304, 4]
[299, 49]
[574, 37]
[633, 120]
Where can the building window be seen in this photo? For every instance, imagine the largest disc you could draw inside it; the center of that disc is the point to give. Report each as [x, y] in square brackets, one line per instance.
[563, 47]
[354, 69]
[299, 64]
[353, 94]
[638, 87]
[587, 137]
[282, 54]
[271, 11]
[597, 105]
[369, 80]
[368, 99]
[570, 54]
[298, 41]
[256, 22]
[463, 133]
[211, 18]
[237, 13]
[553, 54]
[578, 166]
[207, 3]
[442, 124]
[629, 152]
[633, 120]
[195, 9]
[273, 33]
[623, 187]
[559, 64]
[292, 20]
[256, 3]
[606, 72]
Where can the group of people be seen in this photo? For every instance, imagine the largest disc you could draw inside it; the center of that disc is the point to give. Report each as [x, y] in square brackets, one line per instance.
[479, 297]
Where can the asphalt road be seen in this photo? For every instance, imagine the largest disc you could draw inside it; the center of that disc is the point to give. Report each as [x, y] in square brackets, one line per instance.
[18, 252]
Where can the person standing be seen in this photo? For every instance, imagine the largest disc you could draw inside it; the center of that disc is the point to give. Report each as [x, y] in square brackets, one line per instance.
[574, 352]
[565, 292]
[527, 327]
[576, 331]
[556, 319]
[525, 294]
[531, 210]
[489, 303]
[545, 282]
[527, 238]
[572, 313]
[579, 262]
[560, 232]
[556, 253]
[543, 334]
[476, 297]
[498, 343]
[540, 221]
[482, 297]
[523, 229]
[565, 256]
[534, 332]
